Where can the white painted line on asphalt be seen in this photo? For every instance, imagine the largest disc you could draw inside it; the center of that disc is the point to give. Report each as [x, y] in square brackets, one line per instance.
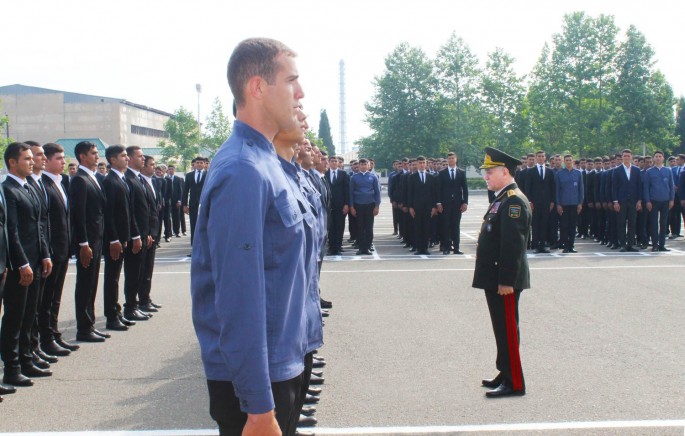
[471, 269]
[469, 236]
[533, 426]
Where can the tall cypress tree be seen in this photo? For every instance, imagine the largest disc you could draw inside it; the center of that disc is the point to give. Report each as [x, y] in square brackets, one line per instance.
[325, 133]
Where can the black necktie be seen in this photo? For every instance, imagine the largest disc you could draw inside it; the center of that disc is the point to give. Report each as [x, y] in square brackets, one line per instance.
[452, 173]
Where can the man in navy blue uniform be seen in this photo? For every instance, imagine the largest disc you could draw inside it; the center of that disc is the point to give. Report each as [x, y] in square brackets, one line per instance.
[365, 199]
[569, 191]
[658, 194]
[248, 287]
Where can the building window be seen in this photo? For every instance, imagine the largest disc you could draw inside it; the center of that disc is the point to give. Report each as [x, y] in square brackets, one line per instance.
[146, 131]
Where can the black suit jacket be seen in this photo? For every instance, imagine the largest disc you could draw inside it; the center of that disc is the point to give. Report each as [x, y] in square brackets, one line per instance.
[155, 204]
[140, 207]
[118, 209]
[420, 195]
[539, 192]
[4, 247]
[58, 213]
[455, 192]
[27, 242]
[340, 189]
[192, 190]
[87, 211]
[176, 189]
[44, 205]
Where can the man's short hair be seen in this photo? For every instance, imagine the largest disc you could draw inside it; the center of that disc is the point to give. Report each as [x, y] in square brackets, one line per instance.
[568, 155]
[131, 149]
[71, 164]
[681, 156]
[658, 152]
[113, 151]
[83, 147]
[420, 158]
[148, 158]
[50, 149]
[254, 57]
[171, 166]
[14, 150]
[102, 164]
[363, 160]
[626, 150]
[451, 153]
[32, 143]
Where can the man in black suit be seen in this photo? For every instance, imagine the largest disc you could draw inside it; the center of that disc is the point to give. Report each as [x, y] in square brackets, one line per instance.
[117, 234]
[626, 195]
[60, 250]
[141, 236]
[192, 189]
[29, 259]
[539, 188]
[453, 199]
[87, 226]
[421, 200]
[4, 261]
[339, 182]
[164, 182]
[155, 201]
[177, 217]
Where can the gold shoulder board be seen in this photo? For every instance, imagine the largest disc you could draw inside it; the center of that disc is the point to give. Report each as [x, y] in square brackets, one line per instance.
[511, 193]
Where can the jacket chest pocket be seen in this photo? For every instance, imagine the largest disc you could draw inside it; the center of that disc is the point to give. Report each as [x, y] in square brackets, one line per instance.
[289, 211]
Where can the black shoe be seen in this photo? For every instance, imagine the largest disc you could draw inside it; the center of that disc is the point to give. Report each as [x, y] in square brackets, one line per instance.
[316, 380]
[643, 246]
[664, 249]
[46, 357]
[40, 363]
[32, 370]
[631, 249]
[554, 247]
[324, 313]
[458, 252]
[64, 344]
[325, 304]
[318, 363]
[542, 251]
[504, 390]
[431, 245]
[125, 321]
[655, 249]
[571, 250]
[351, 241]
[614, 247]
[116, 324]
[102, 334]
[7, 390]
[445, 252]
[134, 315]
[53, 349]
[189, 255]
[17, 379]
[308, 411]
[493, 382]
[318, 374]
[412, 249]
[314, 391]
[147, 308]
[155, 305]
[394, 233]
[167, 239]
[311, 399]
[306, 421]
[419, 253]
[177, 235]
[89, 337]
[406, 245]
[672, 237]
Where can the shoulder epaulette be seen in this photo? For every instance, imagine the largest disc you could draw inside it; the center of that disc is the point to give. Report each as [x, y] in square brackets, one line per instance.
[511, 193]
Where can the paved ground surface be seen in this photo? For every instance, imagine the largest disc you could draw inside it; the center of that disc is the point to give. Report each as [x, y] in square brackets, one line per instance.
[407, 343]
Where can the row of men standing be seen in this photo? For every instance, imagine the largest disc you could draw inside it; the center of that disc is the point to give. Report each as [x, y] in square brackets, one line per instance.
[50, 217]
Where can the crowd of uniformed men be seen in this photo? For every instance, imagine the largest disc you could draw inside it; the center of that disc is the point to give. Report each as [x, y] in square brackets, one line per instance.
[114, 210]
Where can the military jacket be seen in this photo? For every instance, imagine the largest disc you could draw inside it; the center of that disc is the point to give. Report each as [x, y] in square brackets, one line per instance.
[502, 243]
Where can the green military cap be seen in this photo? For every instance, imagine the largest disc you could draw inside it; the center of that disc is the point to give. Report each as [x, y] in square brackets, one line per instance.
[495, 158]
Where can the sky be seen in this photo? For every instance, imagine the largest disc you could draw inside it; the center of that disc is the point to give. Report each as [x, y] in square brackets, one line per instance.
[154, 52]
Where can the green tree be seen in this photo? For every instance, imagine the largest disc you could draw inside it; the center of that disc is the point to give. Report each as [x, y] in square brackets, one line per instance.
[406, 113]
[184, 138]
[458, 73]
[325, 133]
[680, 125]
[4, 132]
[217, 130]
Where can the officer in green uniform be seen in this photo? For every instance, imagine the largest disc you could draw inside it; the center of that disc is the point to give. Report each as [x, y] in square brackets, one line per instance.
[502, 267]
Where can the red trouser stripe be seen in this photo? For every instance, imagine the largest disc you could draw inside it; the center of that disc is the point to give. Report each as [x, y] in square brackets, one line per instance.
[513, 341]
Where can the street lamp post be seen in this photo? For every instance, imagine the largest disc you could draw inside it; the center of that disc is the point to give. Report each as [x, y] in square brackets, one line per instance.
[198, 88]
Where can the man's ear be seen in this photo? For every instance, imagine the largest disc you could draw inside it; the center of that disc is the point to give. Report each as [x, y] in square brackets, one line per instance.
[255, 87]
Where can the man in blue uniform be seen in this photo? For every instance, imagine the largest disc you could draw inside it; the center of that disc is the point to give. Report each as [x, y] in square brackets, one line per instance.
[249, 286]
[365, 199]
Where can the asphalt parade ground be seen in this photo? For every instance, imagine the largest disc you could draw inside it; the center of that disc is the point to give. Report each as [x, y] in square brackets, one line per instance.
[407, 342]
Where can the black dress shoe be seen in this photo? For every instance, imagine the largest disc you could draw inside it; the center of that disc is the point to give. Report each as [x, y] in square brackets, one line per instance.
[147, 308]
[189, 255]
[458, 252]
[7, 390]
[632, 249]
[102, 334]
[89, 337]
[542, 251]
[134, 315]
[40, 363]
[445, 252]
[308, 411]
[306, 421]
[504, 390]
[316, 380]
[17, 379]
[167, 239]
[32, 370]
[319, 358]
[664, 249]
[314, 391]
[317, 373]
[53, 349]
[571, 250]
[310, 399]
[46, 357]
[318, 363]
[406, 246]
[412, 249]
[623, 250]
[64, 344]
[325, 304]
[184, 234]
[493, 382]
[654, 249]
[116, 324]
[125, 321]
[155, 305]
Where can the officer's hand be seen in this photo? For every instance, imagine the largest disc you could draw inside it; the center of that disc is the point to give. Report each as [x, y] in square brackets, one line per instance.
[353, 212]
[434, 212]
[115, 250]
[532, 206]
[580, 207]
[375, 211]
[25, 276]
[440, 208]
[505, 290]
[261, 424]
[86, 256]
[178, 205]
[149, 241]
[186, 209]
[464, 207]
[412, 212]
[617, 207]
[346, 209]
[551, 206]
[560, 210]
[649, 206]
[137, 246]
[47, 267]
[638, 206]
[670, 204]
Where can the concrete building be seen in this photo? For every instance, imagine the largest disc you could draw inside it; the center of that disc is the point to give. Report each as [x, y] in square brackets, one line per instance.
[46, 115]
